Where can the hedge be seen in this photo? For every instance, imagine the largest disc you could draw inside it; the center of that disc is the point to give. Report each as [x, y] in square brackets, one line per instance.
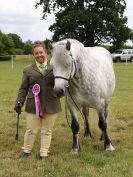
[4, 58]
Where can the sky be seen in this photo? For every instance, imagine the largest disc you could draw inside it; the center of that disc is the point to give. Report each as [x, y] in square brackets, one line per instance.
[21, 18]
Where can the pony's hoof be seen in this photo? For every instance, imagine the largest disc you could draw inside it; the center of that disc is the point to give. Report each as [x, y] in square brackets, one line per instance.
[110, 148]
[87, 136]
[74, 151]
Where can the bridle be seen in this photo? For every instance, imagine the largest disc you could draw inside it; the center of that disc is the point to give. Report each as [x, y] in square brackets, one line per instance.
[70, 76]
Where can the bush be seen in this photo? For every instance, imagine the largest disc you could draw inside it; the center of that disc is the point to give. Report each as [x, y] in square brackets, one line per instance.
[4, 58]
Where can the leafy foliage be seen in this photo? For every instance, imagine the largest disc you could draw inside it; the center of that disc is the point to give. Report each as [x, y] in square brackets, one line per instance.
[28, 47]
[4, 58]
[17, 40]
[90, 21]
[6, 44]
[10, 44]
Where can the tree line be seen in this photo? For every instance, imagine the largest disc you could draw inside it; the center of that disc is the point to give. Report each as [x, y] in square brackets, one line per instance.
[92, 22]
[12, 44]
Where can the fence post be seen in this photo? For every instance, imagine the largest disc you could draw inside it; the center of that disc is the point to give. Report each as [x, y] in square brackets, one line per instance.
[29, 56]
[126, 61]
[12, 62]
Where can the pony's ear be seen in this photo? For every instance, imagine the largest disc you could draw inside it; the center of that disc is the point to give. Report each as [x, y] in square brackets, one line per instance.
[50, 46]
[68, 45]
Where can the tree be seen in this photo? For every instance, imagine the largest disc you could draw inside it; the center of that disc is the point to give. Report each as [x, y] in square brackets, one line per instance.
[46, 42]
[17, 40]
[7, 46]
[28, 47]
[92, 22]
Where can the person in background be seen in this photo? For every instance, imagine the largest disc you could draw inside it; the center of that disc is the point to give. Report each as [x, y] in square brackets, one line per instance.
[41, 106]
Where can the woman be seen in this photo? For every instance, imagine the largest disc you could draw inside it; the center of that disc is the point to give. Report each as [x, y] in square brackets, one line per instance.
[41, 106]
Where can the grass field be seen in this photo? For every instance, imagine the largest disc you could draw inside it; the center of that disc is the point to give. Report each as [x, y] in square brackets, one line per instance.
[93, 160]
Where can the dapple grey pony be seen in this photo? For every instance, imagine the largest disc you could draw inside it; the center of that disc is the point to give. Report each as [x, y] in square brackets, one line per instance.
[88, 74]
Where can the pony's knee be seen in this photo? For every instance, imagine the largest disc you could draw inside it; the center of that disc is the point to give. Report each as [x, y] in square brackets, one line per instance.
[75, 126]
[102, 123]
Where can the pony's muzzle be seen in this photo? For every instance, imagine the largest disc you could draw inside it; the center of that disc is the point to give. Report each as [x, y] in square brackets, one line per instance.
[58, 92]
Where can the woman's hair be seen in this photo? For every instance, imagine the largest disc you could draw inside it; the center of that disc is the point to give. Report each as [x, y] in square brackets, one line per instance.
[39, 44]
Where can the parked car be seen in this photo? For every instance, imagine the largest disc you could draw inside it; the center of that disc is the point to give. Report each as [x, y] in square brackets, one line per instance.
[123, 55]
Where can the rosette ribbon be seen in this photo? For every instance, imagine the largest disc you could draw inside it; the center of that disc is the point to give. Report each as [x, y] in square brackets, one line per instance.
[36, 91]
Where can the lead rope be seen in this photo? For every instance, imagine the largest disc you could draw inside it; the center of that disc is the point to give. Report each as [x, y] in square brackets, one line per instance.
[66, 110]
[74, 104]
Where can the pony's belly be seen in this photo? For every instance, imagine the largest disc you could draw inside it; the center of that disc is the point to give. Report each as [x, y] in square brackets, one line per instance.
[85, 100]
[91, 101]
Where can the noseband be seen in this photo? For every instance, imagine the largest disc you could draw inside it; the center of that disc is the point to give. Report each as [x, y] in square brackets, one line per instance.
[68, 79]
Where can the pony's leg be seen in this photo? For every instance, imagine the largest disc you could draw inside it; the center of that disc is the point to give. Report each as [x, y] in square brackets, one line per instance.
[105, 114]
[103, 126]
[75, 130]
[87, 132]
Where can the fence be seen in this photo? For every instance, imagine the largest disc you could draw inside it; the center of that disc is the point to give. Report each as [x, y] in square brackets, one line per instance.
[13, 58]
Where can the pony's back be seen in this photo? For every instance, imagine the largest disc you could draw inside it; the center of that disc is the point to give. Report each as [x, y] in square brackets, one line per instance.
[98, 66]
[99, 53]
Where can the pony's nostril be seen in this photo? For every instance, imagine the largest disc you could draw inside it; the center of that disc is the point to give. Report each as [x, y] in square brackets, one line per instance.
[59, 92]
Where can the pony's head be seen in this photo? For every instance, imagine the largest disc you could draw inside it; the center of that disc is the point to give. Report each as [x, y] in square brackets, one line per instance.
[63, 62]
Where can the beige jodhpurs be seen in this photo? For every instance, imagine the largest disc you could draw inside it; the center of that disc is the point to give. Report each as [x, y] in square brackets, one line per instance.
[33, 125]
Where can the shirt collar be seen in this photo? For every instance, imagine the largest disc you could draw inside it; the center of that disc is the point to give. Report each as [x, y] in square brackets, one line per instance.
[38, 64]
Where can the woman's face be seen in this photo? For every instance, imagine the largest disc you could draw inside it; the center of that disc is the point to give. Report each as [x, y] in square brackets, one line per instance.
[39, 54]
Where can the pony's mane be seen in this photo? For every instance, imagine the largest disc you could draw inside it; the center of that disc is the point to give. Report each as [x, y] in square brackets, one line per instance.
[72, 41]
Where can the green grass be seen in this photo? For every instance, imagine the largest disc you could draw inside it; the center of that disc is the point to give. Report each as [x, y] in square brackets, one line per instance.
[93, 160]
